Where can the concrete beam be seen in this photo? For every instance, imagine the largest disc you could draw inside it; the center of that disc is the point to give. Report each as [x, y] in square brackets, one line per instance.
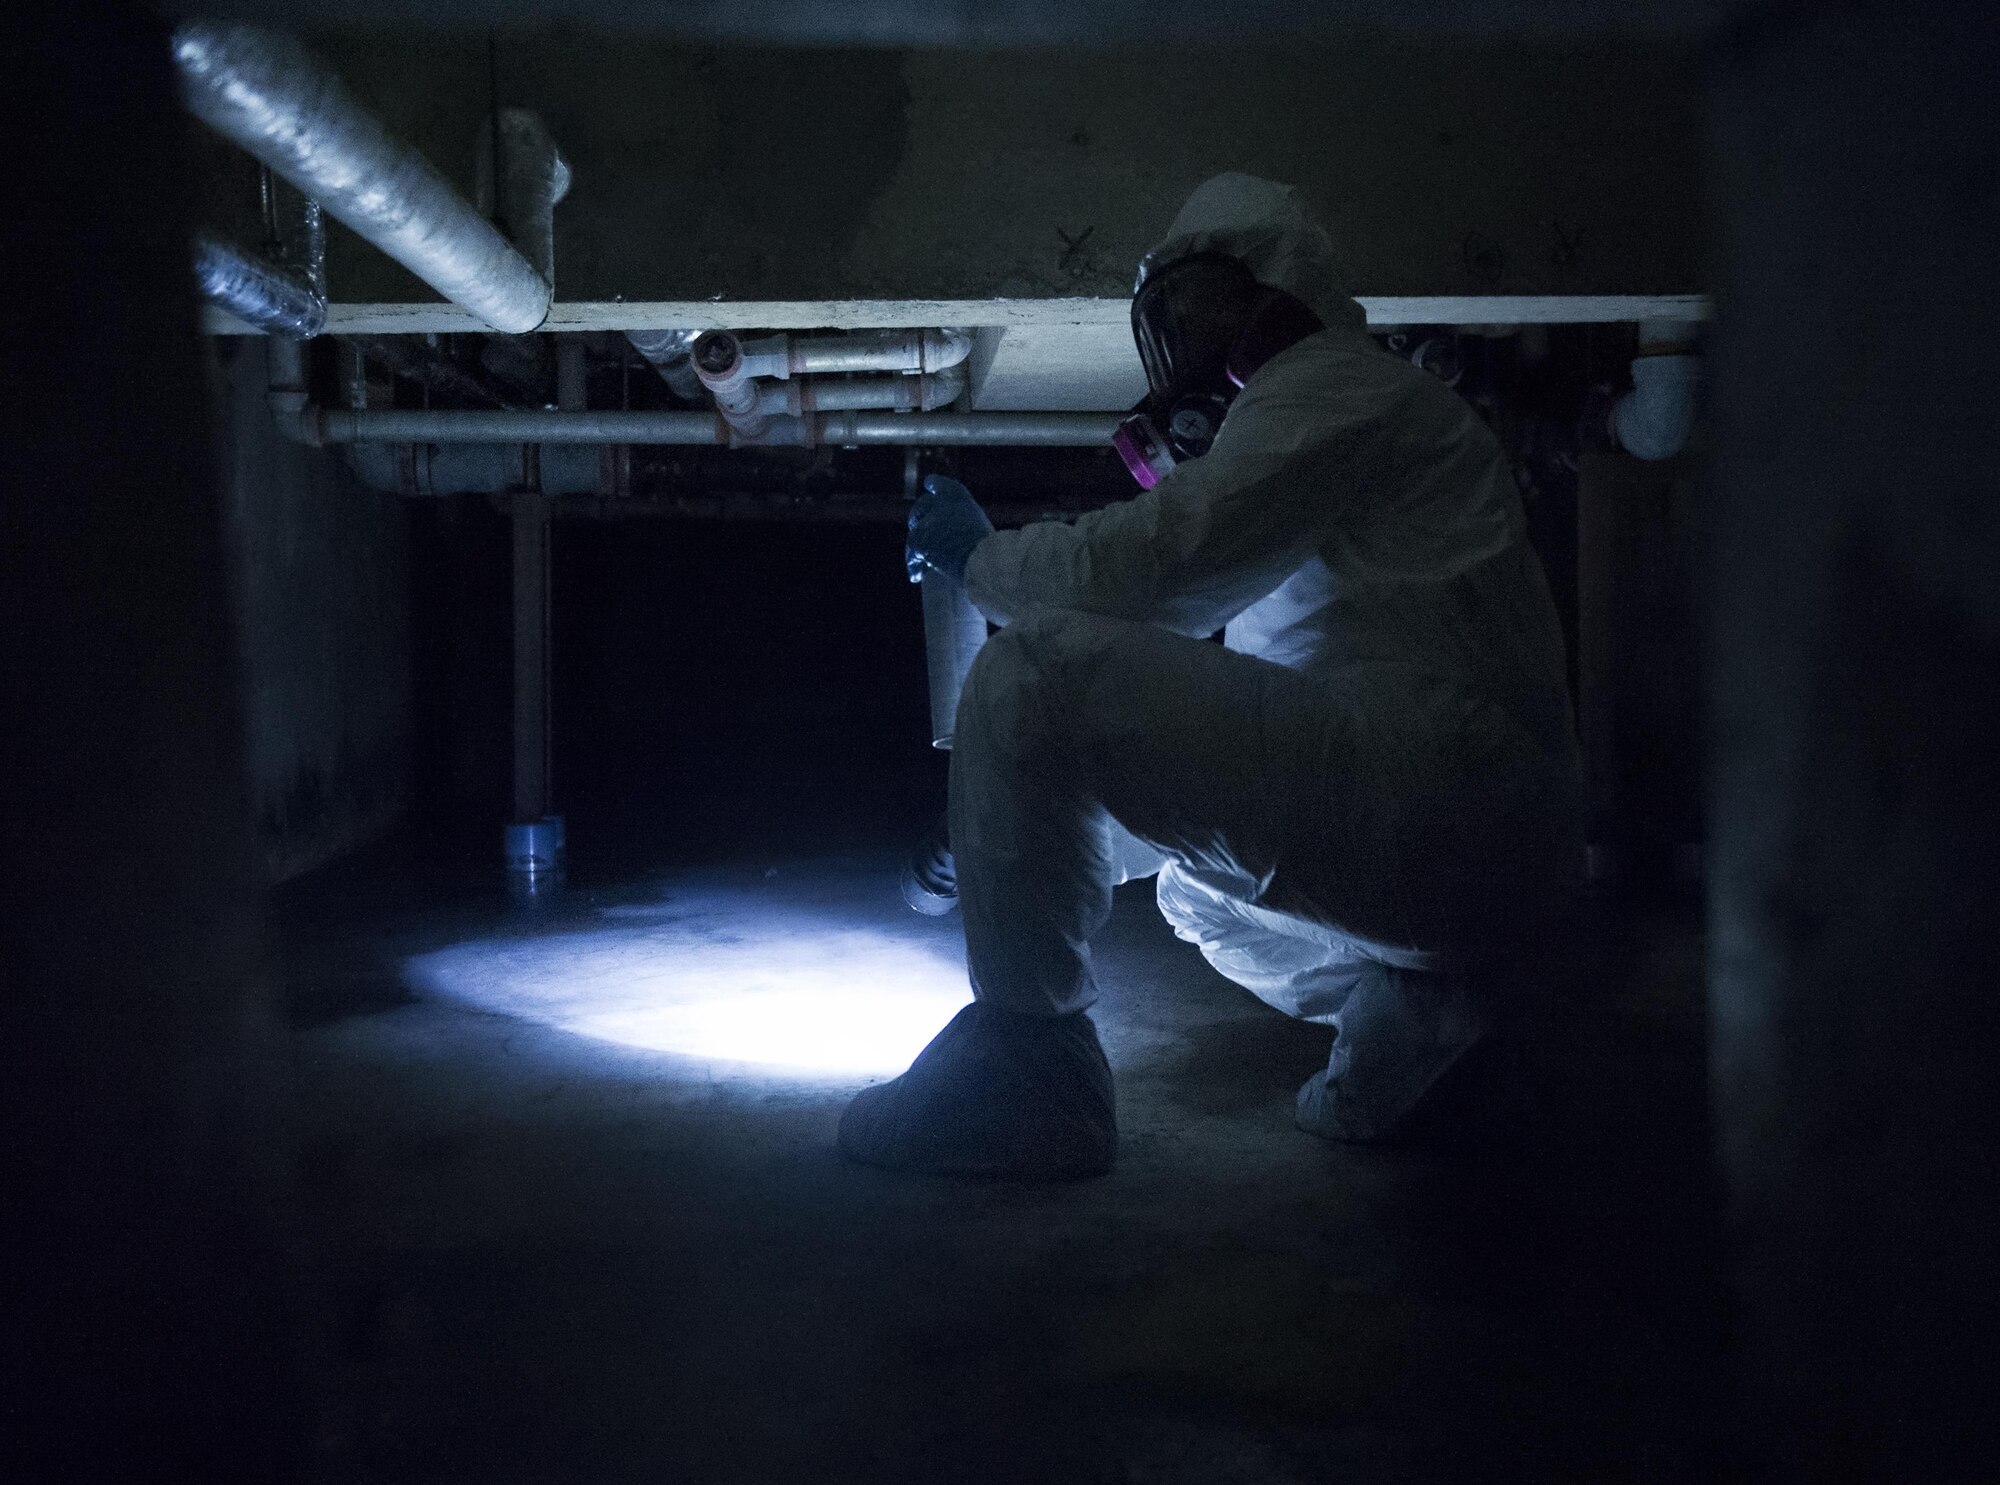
[1027, 314]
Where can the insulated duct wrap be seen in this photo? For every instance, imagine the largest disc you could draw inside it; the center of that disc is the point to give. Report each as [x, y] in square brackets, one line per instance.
[264, 91]
[532, 178]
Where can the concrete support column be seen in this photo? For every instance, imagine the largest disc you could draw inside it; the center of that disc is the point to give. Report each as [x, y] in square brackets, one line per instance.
[1854, 707]
[148, 1332]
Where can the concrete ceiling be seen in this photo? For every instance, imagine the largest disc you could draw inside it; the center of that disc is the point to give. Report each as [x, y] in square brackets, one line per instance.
[950, 23]
[1492, 179]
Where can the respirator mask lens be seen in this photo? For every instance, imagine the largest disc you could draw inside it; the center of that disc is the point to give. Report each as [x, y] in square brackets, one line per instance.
[1203, 325]
[1186, 317]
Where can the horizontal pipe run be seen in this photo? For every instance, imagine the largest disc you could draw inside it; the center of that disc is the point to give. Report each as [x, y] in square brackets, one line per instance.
[265, 92]
[386, 425]
[1039, 429]
[730, 367]
[1047, 430]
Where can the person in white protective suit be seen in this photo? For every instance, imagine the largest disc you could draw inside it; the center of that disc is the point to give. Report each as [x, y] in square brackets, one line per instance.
[1360, 806]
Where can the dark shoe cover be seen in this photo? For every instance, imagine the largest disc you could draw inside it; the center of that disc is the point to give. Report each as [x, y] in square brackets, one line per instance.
[994, 1094]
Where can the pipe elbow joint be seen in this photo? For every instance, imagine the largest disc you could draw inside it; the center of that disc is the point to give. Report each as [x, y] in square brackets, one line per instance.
[1654, 419]
[297, 419]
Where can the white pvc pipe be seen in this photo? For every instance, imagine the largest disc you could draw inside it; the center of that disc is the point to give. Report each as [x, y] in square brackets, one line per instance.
[730, 367]
[1653, 420]
[875, 350]
[803, 395]
[785, 355]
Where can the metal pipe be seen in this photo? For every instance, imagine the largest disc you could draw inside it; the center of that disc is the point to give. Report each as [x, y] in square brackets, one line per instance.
[255, 291]
[571, 373]
[731, 380]
[337, 425]
[287, 395]
[267, 93]
[1043, 429]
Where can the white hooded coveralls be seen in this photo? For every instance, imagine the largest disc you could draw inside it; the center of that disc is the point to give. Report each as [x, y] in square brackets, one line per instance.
[1377, 767]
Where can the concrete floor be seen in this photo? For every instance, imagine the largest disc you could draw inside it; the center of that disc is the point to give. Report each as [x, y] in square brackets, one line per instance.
[542, 1256]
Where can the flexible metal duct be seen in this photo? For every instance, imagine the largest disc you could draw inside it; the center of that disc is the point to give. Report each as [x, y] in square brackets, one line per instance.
[532, 178]
[267, 93]
[670, 352]
[256, 292]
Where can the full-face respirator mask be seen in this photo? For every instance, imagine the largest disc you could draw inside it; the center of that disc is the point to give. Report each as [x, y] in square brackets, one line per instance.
[1203, 325]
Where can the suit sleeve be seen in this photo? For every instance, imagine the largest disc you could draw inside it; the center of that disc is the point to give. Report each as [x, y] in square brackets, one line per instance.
[1213, 537]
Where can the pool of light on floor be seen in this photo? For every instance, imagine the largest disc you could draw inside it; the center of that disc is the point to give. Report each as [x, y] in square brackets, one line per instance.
[735, 975]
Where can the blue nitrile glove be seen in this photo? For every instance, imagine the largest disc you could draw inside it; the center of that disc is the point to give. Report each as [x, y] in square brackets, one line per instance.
[946, 523]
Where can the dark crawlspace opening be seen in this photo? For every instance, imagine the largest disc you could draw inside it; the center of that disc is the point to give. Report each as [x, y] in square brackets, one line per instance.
[642, 1256]
[326, 1154]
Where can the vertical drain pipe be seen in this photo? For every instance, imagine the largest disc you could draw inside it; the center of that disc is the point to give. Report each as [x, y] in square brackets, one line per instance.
[536, 841]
